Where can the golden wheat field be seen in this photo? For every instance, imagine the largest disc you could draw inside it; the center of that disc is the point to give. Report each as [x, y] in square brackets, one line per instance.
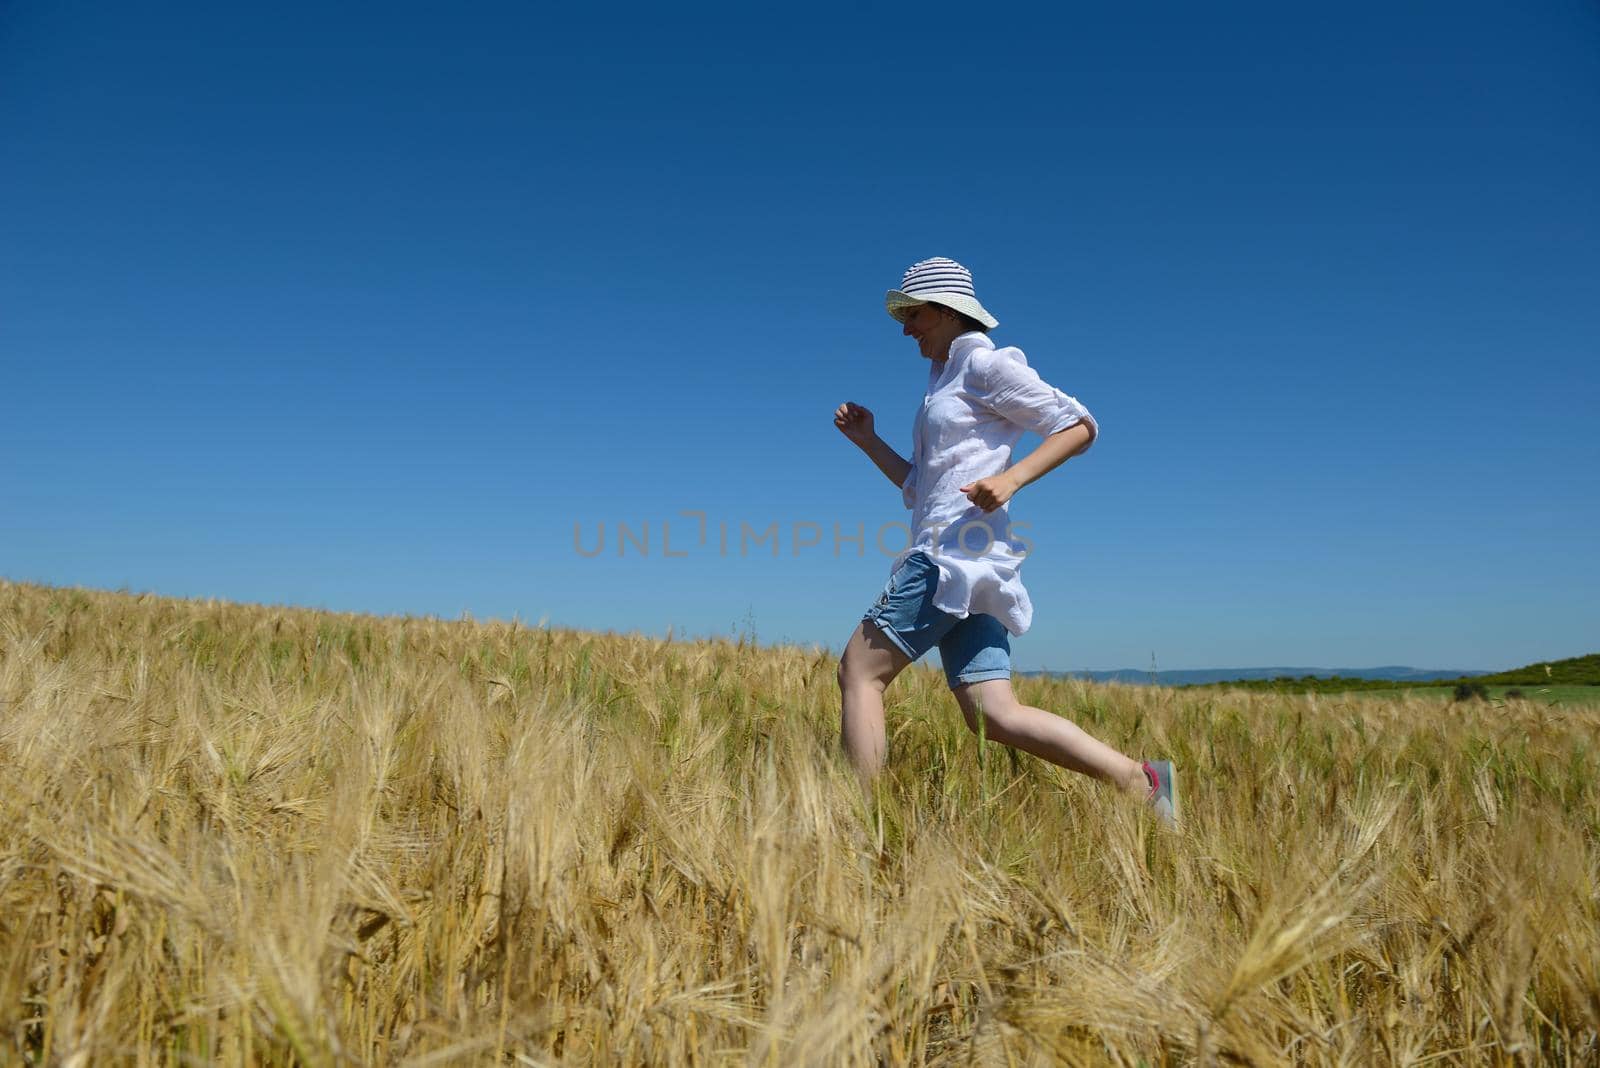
[243, 835]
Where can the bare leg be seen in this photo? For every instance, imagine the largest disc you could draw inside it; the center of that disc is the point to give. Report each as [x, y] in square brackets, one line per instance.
[1044, 734]
[870, 662]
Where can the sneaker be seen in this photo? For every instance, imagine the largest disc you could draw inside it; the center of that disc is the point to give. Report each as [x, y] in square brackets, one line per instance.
[1163, 795]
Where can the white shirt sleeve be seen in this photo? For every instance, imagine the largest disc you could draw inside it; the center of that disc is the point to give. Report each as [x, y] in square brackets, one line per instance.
[908, 488]
[1003, 382]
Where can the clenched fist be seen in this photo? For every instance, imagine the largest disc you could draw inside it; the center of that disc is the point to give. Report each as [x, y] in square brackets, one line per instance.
[854, 422]
[990, 493]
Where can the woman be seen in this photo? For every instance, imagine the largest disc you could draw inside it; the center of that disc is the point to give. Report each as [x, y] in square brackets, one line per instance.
[957, 586]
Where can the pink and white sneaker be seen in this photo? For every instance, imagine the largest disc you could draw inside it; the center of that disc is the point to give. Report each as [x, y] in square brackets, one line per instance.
[1163, 795]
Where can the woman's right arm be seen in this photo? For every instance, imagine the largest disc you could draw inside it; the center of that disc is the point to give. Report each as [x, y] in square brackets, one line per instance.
[855, 423]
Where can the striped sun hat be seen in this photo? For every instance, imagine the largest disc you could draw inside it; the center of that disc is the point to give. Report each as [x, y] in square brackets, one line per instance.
[937, 281]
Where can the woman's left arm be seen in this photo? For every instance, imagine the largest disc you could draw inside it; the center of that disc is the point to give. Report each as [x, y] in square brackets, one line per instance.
[990, 493]
[1005, 384]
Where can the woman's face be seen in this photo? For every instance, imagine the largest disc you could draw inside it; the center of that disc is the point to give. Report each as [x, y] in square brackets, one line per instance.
[934, 327]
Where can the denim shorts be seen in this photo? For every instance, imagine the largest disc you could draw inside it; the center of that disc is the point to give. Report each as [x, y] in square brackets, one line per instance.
[974, 649]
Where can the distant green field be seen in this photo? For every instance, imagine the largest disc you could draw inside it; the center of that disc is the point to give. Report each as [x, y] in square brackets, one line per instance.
[1571, 683]
[1562, 696]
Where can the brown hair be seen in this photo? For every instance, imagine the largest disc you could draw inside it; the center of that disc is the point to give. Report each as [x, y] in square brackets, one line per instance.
[967, 321]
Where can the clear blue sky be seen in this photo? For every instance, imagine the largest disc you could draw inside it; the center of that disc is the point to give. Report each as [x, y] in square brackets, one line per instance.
[366, 306]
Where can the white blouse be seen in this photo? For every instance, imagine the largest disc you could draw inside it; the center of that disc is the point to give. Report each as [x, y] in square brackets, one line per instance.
[979, 402]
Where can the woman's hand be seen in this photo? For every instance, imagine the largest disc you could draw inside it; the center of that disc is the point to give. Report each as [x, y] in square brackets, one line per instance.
[990, 493]
[855, 423]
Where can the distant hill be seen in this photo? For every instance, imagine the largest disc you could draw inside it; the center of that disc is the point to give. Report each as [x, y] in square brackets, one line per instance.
[1574, 671]
[1203, 676]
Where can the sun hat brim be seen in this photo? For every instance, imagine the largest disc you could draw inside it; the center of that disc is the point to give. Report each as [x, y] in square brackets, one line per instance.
[896, 302]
